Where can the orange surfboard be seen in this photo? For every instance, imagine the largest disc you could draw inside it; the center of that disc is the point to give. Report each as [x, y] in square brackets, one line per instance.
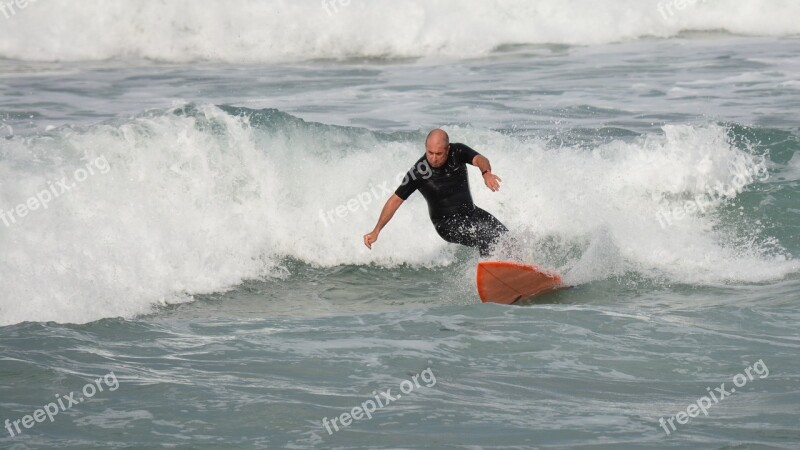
[506, 282]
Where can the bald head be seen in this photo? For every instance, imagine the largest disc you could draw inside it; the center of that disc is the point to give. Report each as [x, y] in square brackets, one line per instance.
[437, 137]
[437, 145]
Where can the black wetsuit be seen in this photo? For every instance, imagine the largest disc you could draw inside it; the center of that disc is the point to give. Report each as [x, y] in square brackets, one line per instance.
[450, 206]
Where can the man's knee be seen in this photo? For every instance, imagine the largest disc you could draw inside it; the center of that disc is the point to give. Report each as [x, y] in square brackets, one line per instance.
[489, 222]
[493, 229]
[449, 232]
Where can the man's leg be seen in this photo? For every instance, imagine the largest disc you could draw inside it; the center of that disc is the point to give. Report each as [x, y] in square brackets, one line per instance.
[456, 230]
[488, 230]
[476, 229]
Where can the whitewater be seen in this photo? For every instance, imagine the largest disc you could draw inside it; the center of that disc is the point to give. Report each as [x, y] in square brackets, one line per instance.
[252, 31]
[184, 188]
[197, 199]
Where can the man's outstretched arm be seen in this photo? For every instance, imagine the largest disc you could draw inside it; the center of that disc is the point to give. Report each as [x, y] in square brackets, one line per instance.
[389, 208]
[492, 181]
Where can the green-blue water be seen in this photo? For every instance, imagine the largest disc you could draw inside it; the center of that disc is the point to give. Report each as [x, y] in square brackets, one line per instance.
[198, 263]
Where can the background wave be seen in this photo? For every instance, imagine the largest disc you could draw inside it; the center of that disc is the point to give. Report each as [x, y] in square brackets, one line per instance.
[284, 30]
[199, 198]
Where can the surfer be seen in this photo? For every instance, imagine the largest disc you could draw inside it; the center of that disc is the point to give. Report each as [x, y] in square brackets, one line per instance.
[441, 176]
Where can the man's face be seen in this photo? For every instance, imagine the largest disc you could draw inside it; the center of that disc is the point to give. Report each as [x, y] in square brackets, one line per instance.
[436, 153]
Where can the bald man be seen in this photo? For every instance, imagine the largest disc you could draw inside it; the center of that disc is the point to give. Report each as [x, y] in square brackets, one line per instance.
[441, 176]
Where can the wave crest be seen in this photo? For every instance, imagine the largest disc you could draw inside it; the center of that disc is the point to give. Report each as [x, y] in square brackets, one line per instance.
[250, 31]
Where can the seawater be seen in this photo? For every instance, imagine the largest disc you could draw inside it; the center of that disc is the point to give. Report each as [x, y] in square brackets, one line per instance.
[185, 243]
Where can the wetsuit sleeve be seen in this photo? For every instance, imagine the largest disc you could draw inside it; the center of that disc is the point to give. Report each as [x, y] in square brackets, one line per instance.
[463, 154]
[408, 186]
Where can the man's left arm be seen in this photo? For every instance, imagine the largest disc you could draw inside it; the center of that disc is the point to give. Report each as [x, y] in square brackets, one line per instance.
[492, 181]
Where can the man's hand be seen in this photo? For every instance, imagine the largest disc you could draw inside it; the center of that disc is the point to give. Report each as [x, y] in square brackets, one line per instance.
[370, 238]
[492, 181]
[387, 212]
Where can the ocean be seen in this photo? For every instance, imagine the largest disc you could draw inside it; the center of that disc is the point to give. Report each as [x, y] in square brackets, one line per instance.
[185, 186]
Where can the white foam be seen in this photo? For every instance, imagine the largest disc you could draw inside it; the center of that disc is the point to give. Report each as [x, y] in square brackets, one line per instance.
[258, 31]
[610, 197]
[195, 203]
[181, 210]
